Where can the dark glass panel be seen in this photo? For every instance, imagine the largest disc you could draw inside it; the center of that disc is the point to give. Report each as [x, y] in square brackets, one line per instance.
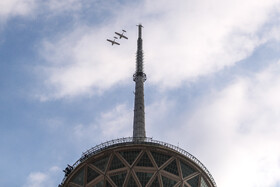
[186, 170]
[116, 163]
[108, 184]
[101, 163]
[130, 155]
[194, 181]
[203, 183]
[160, 158]
[72, 185]
[172, 168]
[119, 179]
[168, 182]
[155, 182]
[91, 174]
[131, 182]
[100, 184]
[145, 161]
[144, 177]
[79, 177]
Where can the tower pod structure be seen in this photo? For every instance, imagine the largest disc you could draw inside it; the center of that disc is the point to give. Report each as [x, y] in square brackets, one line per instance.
[137, 161]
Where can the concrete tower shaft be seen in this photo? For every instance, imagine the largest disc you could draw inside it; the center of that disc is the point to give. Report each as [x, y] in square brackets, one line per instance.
[139, 132]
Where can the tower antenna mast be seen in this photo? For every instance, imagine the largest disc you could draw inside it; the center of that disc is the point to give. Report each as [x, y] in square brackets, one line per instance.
[139, 132]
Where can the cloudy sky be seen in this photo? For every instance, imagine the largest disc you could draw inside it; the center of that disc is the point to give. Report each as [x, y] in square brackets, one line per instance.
[213, 70]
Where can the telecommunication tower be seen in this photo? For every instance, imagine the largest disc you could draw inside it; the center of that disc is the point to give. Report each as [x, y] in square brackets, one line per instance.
[137, 161]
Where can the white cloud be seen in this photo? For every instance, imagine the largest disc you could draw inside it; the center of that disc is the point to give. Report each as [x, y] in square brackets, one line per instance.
[62, 5]
[9, 8]
[111, 124]
[156, 113]
[182, 41]
[83, 62]
[33, 8]
[36, 179]
[236, 131]
[274, 33]
[203, 37]
[118, 122]
[43, 179]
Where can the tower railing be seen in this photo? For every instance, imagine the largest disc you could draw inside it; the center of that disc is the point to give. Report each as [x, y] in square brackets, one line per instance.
[133, 140]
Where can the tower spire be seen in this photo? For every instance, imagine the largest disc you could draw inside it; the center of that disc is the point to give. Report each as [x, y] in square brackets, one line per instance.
[139, 132]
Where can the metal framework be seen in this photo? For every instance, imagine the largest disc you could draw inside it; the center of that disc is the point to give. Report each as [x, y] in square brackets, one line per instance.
[139, 77]
[132, 140]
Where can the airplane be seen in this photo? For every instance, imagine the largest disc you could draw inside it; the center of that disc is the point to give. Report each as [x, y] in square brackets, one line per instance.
[113, 42]
[121, 35]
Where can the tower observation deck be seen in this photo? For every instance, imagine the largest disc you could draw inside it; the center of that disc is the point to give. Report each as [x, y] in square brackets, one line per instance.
[137, 161]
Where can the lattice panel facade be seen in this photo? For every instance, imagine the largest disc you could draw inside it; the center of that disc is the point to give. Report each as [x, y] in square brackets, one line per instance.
[137, 166]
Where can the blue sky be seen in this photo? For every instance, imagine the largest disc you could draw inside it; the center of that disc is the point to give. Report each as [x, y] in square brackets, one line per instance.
[213, 84]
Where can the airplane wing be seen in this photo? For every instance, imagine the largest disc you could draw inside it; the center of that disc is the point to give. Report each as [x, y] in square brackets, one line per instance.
[113, 42]
[110, 41]
[118, 33]
[121, 35]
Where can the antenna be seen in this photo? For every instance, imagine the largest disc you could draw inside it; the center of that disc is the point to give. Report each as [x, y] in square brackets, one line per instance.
[139, 132]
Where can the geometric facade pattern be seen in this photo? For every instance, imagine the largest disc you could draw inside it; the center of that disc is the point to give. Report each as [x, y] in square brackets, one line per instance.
[137, 166]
